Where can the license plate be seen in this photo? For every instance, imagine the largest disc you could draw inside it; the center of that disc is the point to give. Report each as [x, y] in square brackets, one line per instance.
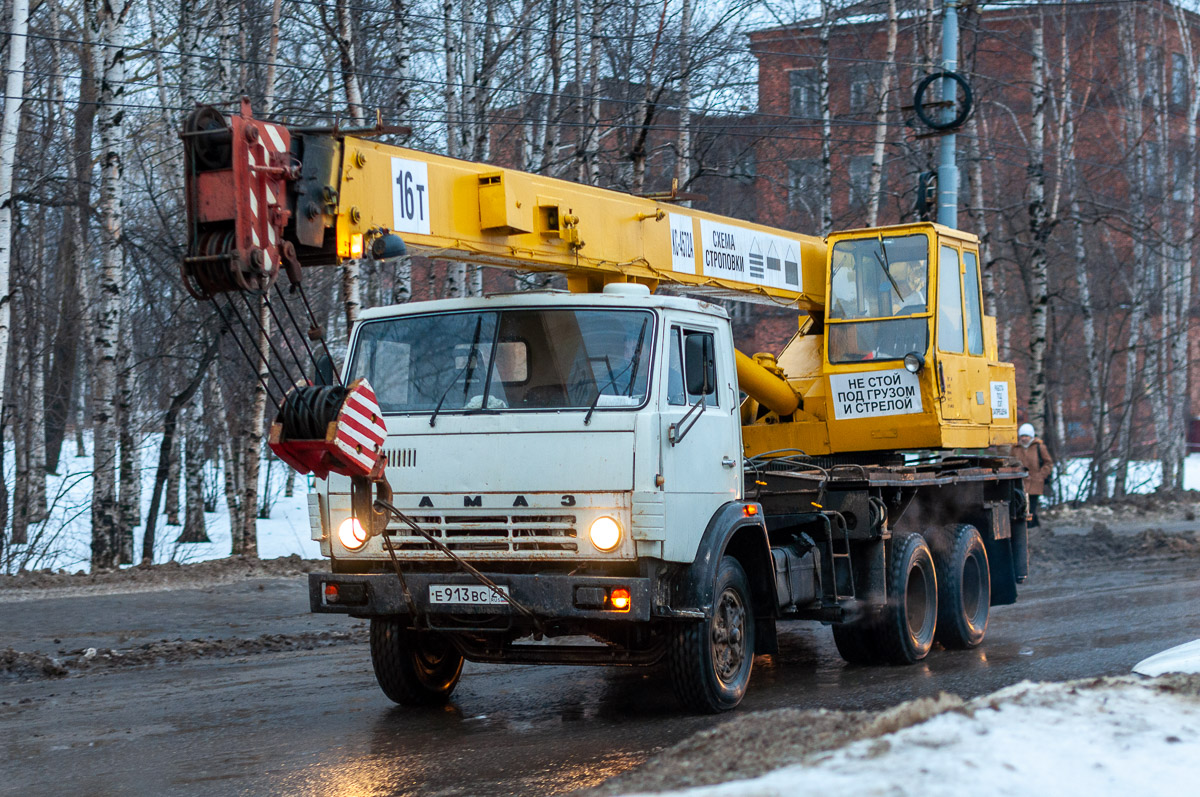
[467, 594]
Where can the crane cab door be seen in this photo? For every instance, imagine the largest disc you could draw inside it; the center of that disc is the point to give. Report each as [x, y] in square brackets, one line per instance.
[962, 369]
[701, 445]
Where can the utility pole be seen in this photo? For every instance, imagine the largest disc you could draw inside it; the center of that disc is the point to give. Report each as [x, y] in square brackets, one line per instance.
[947, 180]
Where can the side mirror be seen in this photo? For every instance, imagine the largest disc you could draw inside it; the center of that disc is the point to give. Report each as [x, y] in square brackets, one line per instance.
[700, 368]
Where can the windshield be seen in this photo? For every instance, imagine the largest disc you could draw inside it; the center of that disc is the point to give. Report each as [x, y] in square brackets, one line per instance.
[879, 277]
[507, 360]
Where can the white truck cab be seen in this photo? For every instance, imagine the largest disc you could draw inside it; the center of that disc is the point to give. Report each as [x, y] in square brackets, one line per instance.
[519, 424]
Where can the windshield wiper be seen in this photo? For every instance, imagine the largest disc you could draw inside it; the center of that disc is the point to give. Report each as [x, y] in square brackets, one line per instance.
[484, 399]
[631, 366]
[469, 364]
[612, 378]
[637, 357]
[883, 262]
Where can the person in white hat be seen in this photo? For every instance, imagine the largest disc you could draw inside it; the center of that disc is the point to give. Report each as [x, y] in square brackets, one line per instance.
[1034, 455]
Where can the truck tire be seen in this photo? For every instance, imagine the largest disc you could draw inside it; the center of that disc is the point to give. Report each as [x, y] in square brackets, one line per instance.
[964, 587]
[413, 668]
[709, 662]
[856, 642]
[906, 627]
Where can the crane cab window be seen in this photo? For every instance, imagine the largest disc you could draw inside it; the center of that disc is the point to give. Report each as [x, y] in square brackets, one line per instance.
[973, 306]
[878, 298]
[950, 313]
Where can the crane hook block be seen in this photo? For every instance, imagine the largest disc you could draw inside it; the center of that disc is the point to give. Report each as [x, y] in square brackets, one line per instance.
[236, 177]
[323, 429]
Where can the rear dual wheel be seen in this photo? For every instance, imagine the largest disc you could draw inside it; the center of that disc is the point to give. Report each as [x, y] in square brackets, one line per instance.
[964, 587]
[903, 631]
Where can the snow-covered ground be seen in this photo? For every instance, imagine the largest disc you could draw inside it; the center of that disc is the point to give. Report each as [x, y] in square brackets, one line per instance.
[1118, 737]
[1141, 477]
[63, 540]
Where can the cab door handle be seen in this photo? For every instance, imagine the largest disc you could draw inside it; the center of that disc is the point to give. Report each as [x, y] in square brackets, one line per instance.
[727, 462]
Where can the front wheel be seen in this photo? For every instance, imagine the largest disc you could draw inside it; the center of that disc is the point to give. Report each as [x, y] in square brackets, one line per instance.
[907, 625]
[413, 668]
[710, 661]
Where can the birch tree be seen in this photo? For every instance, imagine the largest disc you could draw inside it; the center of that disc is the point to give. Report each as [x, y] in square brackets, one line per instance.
[683, 147]
[1184, 262]
[343, 33]
[1095, 365]
[823, 35]
[246, 542]
[874, 193]
[273, 59]
[1131, 99]
[108, 19]
[589, 165]
[9, 127]
[1158, 377]
[1039, 230]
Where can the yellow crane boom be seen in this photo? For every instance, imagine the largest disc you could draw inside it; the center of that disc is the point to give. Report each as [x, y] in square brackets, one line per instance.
[898, 355]
[487, 215]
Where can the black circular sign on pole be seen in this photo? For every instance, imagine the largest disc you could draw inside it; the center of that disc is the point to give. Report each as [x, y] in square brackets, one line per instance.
[963, 112]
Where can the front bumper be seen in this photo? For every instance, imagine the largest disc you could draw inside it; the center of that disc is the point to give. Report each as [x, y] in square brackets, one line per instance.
[549, 596]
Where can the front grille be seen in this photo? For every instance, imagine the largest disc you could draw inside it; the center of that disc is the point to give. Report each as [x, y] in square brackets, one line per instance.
[529, 533]
[401, 457]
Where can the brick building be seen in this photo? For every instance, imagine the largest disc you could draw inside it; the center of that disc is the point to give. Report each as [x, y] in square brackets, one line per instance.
[1133, 161]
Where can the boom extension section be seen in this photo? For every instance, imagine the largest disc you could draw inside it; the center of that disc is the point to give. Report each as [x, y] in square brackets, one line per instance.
[325, 198]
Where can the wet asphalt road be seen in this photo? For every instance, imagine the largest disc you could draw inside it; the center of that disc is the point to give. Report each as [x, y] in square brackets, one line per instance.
[315, 723]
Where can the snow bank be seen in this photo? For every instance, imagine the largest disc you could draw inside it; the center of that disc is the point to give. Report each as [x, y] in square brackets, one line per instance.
[1183, 658]
[1115, 736]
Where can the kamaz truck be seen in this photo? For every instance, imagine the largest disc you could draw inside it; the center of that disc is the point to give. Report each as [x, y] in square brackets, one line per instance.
[598, 475]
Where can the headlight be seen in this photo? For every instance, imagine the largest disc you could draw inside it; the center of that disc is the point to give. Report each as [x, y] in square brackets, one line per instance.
[605, 533]
[351, 534]
[913, 362]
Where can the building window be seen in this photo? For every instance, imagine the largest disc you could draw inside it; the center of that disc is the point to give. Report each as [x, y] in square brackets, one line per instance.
[859, 170]
[1179, 175]
[804, 185]
[1152, 168]
[805, 97]
[1179, 79]
[1152, 72]
[745, 167]
[863, 81]
[739, 312]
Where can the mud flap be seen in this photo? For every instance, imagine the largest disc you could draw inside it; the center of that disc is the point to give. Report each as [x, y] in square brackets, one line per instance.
[1001, 569]
[1020, 550]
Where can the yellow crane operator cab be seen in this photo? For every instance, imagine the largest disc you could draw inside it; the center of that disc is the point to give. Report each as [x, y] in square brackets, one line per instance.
[880, 303]
[909, 297]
